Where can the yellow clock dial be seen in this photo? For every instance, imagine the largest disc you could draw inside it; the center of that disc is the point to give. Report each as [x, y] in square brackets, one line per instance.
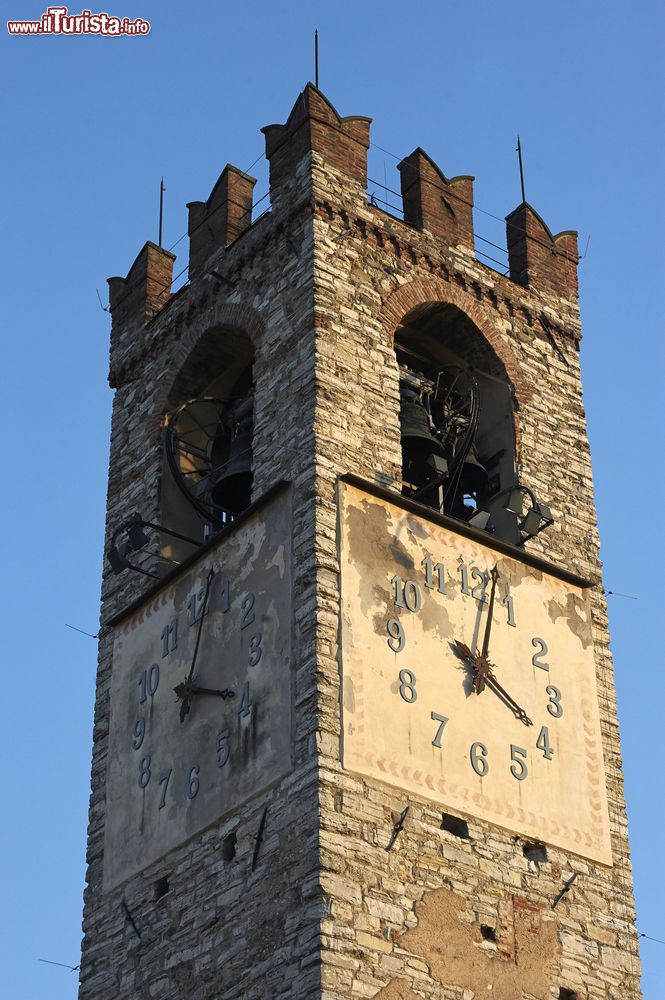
[495, 717]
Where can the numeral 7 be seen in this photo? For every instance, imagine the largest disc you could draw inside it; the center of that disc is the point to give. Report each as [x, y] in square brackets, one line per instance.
[441, 719]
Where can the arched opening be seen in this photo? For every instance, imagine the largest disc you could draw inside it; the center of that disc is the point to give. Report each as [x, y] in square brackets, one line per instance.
[456, 417]
[208, 430]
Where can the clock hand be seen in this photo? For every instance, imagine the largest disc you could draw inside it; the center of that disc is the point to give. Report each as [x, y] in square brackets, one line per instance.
[493, 683]
[488, 627]
[480, 663]
[185, 690]
[224, 693]
[204, 607]
[483, 673]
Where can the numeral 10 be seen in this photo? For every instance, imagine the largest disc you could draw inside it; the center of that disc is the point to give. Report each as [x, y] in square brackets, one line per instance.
[407, 594]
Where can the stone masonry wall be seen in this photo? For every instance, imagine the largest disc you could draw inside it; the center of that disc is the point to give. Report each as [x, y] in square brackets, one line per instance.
[393, 919]
[370, 270]
[320, 285]
[221, 930]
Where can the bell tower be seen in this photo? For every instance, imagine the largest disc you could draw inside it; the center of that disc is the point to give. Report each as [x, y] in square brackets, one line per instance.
[355, 730]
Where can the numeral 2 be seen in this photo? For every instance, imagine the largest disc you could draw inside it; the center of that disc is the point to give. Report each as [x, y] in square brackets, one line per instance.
[536, 658]
[248, 614]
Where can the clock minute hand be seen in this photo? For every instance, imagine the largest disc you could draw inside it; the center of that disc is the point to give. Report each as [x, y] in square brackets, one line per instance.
[204, 607]
[488, 626]
[185, 691]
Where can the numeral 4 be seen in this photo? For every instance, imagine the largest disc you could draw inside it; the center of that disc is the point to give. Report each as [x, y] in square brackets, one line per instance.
[543, 743]
[245, 704]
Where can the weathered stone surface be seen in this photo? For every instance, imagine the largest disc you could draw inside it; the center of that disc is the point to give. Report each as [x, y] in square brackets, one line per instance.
[319, 286]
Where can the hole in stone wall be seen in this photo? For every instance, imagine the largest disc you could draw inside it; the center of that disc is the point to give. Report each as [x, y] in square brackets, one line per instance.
[488, 933]
[453, 824]
[535, 852]
[565, 994]
[161, 887]
[229, 847]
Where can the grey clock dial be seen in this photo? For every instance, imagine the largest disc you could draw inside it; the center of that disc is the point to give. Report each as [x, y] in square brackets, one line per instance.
[173, 772]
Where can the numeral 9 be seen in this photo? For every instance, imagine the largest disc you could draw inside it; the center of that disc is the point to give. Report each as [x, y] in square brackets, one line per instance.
[139, 732]
[396, 638]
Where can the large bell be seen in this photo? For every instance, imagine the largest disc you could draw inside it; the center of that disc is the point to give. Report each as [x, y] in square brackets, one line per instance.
[474, 478]
[232, 491]
[472, 483]
[423, 455]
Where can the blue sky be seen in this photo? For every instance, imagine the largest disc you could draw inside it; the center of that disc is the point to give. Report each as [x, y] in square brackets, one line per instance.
[91, 124]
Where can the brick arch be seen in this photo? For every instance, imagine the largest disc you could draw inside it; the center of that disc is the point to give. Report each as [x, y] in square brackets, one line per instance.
[222, 315]
[422, 292]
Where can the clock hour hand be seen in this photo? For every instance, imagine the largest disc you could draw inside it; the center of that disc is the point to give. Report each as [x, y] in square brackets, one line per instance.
[224, 693]
[480, 665]
[493, 683]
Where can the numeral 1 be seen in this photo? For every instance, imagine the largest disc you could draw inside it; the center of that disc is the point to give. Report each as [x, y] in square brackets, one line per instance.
[464, 573]
[508, 602]
[170, 637]
[429, 575]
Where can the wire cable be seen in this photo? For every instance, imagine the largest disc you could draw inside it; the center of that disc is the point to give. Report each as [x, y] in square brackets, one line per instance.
[470, 204]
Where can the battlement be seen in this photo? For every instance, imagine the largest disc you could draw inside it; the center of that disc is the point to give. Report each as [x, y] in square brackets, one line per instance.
[316, 134]
[314, 126]
[221, 219]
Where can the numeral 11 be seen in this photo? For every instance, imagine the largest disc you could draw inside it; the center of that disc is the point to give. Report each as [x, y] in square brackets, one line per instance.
[430, 569]
[169, 637]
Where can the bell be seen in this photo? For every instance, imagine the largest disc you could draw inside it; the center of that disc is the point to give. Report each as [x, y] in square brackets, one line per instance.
[474, 476]
[232, 491]
[469, 482]
[422, 452]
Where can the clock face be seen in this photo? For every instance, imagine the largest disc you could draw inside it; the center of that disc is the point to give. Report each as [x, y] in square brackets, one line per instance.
[512, 738]
[178, 764]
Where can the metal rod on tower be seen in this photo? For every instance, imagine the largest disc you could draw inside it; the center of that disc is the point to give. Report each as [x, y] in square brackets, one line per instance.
[162, 189]
[316, 58]
[519, 156]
